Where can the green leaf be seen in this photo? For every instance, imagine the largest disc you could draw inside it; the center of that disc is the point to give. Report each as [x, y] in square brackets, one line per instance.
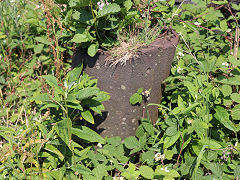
[131, 142]
[135, 98]
[109, 9]
[199, 158]
[49, 105]
[130, 172]
[236, 112]
[237, 172]
[80, 38]
[235, 97]
[86, 93]
[128, 4]
[220, 2]
[146, 172]
[75, 106]
[86, 133]
[226, 90]
[54, 150]
[87, 115]
[171, 131]
[223, 117]
[38, 48]
[73, 75]
[115, 141]
[63, 129]
[93, 49]
[169, 141]
[100, 171]
[43, 40]
[52, 81]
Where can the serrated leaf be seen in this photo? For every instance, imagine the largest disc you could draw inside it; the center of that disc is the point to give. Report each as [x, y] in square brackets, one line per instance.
[128, 4]
[52, 81]
[109, 9]
[223, 117]
[226, 90]
[235, 97]
[87, 115]
[63, 129]
[115, 141]
[169, 141]
[236, 112]
[86, 93]
[131, 142]
[146, 172]
[54, 150]
[80, 38]
[86, 133]
[135, 98]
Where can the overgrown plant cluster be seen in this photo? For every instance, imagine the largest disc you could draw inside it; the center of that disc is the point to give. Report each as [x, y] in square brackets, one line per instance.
[44, 105]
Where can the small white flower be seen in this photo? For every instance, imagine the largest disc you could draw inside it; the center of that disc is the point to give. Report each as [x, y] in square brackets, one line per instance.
[165, 169]
[179, 70]
[99, 145]
[4, 41]
[180, 53]
[225, 64]
[197, 23]
[229, 30]
[159, 156]
[0, 57]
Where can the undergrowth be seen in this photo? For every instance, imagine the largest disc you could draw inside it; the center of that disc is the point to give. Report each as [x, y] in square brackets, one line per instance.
[44, 104]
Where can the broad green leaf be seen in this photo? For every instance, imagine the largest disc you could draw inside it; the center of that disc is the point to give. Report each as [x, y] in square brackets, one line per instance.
[86, 93]
[223, 117]
[236, 112]
[130, 172]
[63, 129]
[226, 90]
[93, 49]
[100, 171]
[171, 131]
[115, 141]
[146, 172]
[87, 115]
[109, 9]
[235, 97]
[75, 106]
[86, 133]
[41, 98]
[52, 81]
[80, 38]
[128, 4]
[131, 142]
[43, 40]
[199, 158]
[169, 141]
[54, 150]
[38, 48]
[73, 75]
[50, 105]
[212, 144]
[135, 98]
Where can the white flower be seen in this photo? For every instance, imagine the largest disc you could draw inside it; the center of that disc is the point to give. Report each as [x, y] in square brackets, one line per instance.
[4, 41]
[197, 23]
[166, 170]
[179, 69]
[225, 64]
[0, 56]
[99, 145]
[159, 156]
[229, 30]
[180, 53]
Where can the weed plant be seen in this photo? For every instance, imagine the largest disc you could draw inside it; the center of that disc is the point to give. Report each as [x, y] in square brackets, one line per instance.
[44, 106]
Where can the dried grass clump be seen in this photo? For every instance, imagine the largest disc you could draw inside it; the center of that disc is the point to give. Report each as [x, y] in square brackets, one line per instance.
[127, 49]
